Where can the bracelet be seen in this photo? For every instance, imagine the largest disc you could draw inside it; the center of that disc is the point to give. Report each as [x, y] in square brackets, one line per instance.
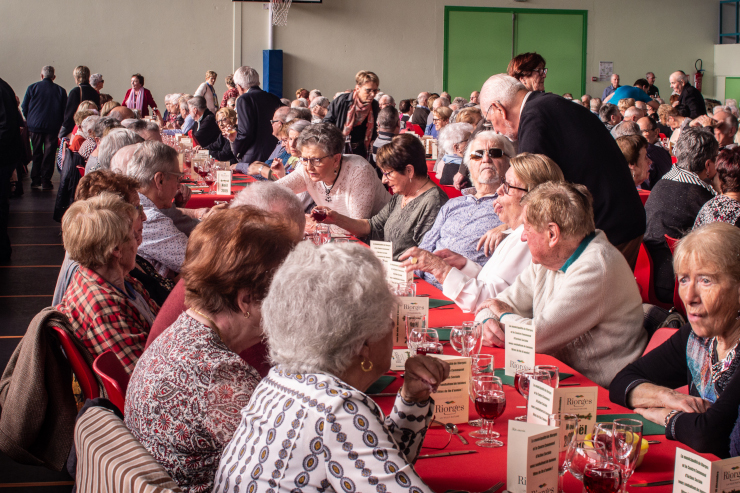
[669, 416]
[260, 170]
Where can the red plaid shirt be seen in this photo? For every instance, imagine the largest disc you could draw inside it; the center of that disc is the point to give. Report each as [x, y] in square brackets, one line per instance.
[104, 318]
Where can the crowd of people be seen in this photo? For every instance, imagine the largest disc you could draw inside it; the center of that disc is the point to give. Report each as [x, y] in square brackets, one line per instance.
[225, 320]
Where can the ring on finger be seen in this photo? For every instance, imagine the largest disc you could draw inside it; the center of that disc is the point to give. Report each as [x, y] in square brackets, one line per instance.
[414, 260]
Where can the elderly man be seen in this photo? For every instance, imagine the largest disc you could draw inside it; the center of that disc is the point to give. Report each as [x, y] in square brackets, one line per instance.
[586, 100]
[676, 199]
[260, 168]
[43, 106]
[611, 87]
[205, 129]
[386, 100]
[145, 129]
[633, 113]
[637, 91]
[726, 130]
[97, 82]
[389, 125]
[253, 140]
[318, 109]
[660, 157]
[690, 101]
[652, 90]
[547, 124]
[421, 112]
[121, 113]
[475, 97]
[578, 292]
[595, 105]
[315, 93]
[610, 116]
[463, 220]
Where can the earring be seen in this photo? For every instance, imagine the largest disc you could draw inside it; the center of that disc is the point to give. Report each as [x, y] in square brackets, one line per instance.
[246, 315]
[362, 365]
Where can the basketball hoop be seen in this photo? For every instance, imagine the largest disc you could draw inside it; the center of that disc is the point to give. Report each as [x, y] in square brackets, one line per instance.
[279, 12]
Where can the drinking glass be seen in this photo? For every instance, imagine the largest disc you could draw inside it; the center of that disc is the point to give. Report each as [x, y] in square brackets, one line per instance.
[521, 383]
[456, 334]
[404, 289]
[471, 338]
[413, 323]
[480, 364]
[425, 341]
[604, 478]
[627, 445]
[490, 403]
[472, 324]
[582, 453]
[318, 214]
[554, 374]
[321, 234]
[567, 424]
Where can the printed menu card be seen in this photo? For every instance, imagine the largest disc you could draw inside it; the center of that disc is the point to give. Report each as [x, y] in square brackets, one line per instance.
[519, 348]
[694, 473]
[545, 400]
[394, 271]
[452, 398]
[412, 309]
[532, 458]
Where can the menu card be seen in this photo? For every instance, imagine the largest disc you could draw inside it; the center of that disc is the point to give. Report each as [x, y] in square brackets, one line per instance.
[186, 142]
[538, 445]
[452, 398]
[545, 400]
[223, 180]
[694, 473]
[414, 306]
[398, 359]
[519, 348]
[395, 272]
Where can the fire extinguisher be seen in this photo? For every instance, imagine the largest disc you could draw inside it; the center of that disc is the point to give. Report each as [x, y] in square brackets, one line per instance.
[698, 74]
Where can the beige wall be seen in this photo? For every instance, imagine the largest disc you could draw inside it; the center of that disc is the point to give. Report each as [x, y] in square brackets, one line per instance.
[324, 45]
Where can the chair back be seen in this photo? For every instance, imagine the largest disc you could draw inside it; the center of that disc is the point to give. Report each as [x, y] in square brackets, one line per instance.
[677, 302]
[80, 368]
[644, 194]
[644, 278]
[115, 379]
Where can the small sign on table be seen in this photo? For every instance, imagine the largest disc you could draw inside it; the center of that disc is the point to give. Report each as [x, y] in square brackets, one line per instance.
[538, 446]
[223, 180]
[519, 348]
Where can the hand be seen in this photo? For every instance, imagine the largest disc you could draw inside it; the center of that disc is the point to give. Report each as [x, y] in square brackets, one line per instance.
[423, 376]
[233, 167]
[682, 402]
[278, 168]
[230, 134]
[256, 168]
[451, 258]
[457, 180]
[425, 262]
[491, 239]
[182, 195]
[208, 212]
[704, 121]
[655, 414]
[197, 148]
[675, 103]
[493, 334]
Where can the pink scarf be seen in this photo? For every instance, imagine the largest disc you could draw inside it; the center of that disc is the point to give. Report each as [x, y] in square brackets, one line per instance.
[356, 114]
[135, 103]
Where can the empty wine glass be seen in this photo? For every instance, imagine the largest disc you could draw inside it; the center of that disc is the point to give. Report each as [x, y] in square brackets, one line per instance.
[480, 364]
[413, 323]
[321, 234]
[472, 324]
[567, 424]
[554, 374]
[602, 478]
[471, 337]
[456, 334]
[582, 453]
[490, 403]
[521, 383]
[404, 289]
[627, 445]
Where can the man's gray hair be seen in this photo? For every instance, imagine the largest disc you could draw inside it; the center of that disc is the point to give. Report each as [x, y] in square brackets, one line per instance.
[315, 93]
[460, 101]
[95, 78]
[268, 196]
[497, 139]
[344, 301]
[633, 111]
[324, 135]
[390, 99]
[388, 118]
[285, 101]
[320, 101]
[606, 111]
[299, 114]
[172, 98]
[88, 124]
[695, 146]
[595, 104]
[441, 102]
[246, 77]
[47, 71]
[452, 134]
[104, 123]
[299, 103]
[150, 158]
[626, 128]
[120, 160]
[502, 88]
[116, 138]
[197, 102]
[140, 126]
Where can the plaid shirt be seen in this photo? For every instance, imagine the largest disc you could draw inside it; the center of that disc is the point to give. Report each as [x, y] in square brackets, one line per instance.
[104, 318]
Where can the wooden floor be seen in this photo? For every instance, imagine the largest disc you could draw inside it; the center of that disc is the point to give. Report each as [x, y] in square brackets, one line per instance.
[26, 286]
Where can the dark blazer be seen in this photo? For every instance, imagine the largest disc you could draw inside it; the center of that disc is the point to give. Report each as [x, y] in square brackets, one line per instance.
[337, 115]
[691, 102]
[661, 164]
[43, 106]
[11, 144]
[580, 144]
[420, 116]
[220, 149]
[206, 132]
[254, 139]
[83, 92]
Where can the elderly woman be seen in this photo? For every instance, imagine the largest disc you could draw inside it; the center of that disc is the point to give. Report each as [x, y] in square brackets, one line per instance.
[453, 140]
[107, 308]
[101, 129]
[231, 92]
[82, 92]
[414, 206]
[529, 69]
[79, 138]
[88, 145]
[207, 91]
[292, 133]
[471, 115]
[702, 354]
[634, 148]
[354, 113]
[220, 149]
[330, 358]
[440, 119]
[173, 119]
[187, 120]
[345, 182]
[116, 139]
[139, 97]
[462, 279]
[579, 293]
[724, 207]
[228, 268]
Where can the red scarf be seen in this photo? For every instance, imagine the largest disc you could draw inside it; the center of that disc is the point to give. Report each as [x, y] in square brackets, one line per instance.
[355, 116]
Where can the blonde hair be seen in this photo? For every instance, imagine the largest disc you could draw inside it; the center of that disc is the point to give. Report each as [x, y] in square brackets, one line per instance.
[566, 204]
[471, 115]
[227, 112]
[87, 105]
[92, 229]
[535, 169]
[81, 74]
[80, 116]
[443, 112]
[625, 103]
[365, 76]
[107, 107]
[211, 75]
[717, 244]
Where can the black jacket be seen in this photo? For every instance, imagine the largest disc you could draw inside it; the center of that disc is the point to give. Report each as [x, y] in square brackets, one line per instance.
[11, 145]
[43, 106]
[661, 164]
[580, 144]
[88, 93]
[691, 102]
[337, 115]
[207, 131]
[420, 116]
[220, 150]
[254, 139]
[68, 181]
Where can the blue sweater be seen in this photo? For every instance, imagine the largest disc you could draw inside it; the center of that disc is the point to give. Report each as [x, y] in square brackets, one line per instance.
[43, 106]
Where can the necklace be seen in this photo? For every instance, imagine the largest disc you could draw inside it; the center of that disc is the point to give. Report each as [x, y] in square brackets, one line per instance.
[409, 197]
[211, 323]
[327, 190]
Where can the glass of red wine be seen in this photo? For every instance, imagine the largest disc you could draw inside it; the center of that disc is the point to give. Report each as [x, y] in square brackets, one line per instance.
[424, 341]
[567, 425]
[582, 453]
[521, 383]
[480, 364]
[319, 214]
[602, 478]
[490, 403]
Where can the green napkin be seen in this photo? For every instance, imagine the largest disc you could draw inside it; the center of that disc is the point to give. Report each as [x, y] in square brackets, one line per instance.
[648, 427]
[435, 303]
[444, 334]
[380, 384]
[507, 380]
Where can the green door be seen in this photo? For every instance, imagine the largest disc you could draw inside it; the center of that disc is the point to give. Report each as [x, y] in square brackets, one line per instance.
[732, 88]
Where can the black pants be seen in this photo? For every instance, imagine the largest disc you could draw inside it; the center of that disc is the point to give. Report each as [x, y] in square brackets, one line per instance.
[44, 156]
[6, 171]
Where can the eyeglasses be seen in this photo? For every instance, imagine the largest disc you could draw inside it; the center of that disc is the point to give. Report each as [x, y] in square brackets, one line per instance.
[276, 121]
[386, 174]
[507, 187]
[313, 161]
[222, 121]
[140, 208]
[541, 71]
[493, 153]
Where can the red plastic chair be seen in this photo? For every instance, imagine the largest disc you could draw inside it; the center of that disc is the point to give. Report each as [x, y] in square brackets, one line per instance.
[672, 242]
[644, 194]
[81, 170]
[644, 278]
[88, 382]
[115, 379]
[451, 192]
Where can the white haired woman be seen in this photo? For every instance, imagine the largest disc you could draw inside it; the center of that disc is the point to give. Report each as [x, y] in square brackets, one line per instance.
[702, 354]
[86, 130]
[325, 361]
[453, 139]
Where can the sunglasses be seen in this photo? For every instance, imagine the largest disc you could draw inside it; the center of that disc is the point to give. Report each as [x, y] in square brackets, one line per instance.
[493, 153]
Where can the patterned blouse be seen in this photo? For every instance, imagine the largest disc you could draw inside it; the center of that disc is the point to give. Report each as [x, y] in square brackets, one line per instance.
[184, 398]
[719, 209]
[313, 432]
[163, 244]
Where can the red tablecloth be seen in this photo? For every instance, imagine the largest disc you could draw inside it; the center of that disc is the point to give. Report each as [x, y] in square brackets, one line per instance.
[479, 471]
[199, 200]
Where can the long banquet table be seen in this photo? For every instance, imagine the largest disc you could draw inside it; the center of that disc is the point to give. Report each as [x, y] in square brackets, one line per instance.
[203, 197]
[479, 471]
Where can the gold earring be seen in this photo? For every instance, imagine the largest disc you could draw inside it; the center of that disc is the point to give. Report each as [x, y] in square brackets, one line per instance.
[362, 365]
[246, 315]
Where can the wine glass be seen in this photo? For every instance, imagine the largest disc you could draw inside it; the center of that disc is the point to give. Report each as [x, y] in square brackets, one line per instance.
[456, 334]
[480, 364]
[321, 234]
[472, 324]
[414, 323]
[521, 384]
[490, 403]
[210, 180]
[603, 478]
[582, 453]
[471, 337]
[318, 213]
[554, 374]
[567, 424]
[627, 445]
[426, 341]
[404, 289]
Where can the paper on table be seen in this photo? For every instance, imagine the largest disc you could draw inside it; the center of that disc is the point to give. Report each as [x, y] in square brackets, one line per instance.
[519, 348]
[648, 427]
[694, 473]
[223, 178]
[452, 398]
[417, 306]
[545, 400]
[397, 273]
[384, 251]
[539, 445]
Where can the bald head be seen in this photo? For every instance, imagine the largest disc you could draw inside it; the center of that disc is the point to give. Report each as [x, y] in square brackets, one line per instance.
[500, 103]
[678, 81]
[122, 157]
[422, 98]
[649, 129]
[633, 113]
[121, 113]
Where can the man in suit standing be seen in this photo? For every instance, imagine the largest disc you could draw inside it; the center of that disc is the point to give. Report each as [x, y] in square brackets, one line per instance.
[253, 139]
[43, 106]
[690, 101]
[573, 137]
[421, 112]
[11, 151]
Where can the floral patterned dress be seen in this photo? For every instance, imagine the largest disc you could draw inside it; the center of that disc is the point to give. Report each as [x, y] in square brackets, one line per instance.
[184, 400]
